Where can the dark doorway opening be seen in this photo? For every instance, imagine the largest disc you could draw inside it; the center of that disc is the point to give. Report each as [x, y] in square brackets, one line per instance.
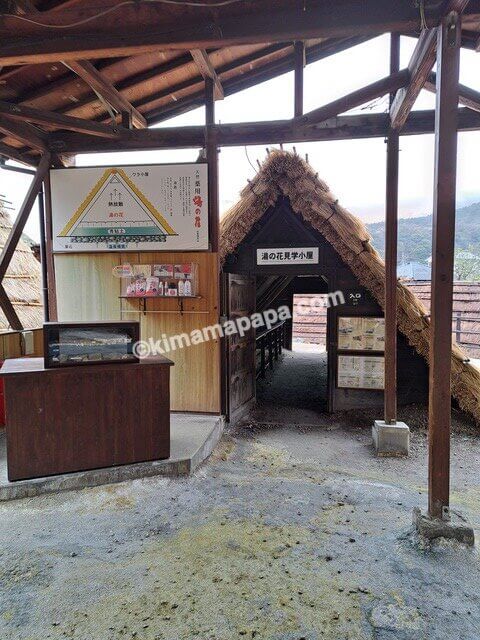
[295, 388]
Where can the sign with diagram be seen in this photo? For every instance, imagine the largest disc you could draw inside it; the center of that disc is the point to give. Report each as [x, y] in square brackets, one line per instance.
[130, 208]
[361, 372]
[361, 334]
[287, 255]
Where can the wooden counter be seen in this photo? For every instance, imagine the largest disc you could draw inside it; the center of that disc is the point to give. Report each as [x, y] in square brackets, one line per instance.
[88, 417]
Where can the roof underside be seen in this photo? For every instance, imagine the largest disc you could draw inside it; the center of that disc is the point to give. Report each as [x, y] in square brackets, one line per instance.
[163, 81]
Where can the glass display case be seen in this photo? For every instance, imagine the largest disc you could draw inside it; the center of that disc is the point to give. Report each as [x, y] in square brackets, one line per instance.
[158, 280]
[79, 343]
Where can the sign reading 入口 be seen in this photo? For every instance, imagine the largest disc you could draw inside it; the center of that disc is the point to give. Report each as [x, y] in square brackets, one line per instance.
[295, 255]
[130, 208]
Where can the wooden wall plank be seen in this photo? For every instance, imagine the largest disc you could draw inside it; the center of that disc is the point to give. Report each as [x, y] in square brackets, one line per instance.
[87, 290]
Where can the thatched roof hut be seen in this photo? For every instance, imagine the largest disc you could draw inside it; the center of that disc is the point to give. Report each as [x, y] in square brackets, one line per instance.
[22, 282]
[286, 174]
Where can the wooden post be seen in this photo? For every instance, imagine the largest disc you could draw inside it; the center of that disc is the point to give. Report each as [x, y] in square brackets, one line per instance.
[299, 66]
[43, 256]
[49, 259]
[391, 232]
[458, 327]
[211, 148]
[446, 120]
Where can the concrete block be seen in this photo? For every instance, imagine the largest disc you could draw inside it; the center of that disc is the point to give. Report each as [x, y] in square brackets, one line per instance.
[456, 527]
[391, 439]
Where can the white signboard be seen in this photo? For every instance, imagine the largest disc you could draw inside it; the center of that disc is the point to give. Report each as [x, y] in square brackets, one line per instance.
[287, 255]
[361, 372]
[361, 334]
[130, 208]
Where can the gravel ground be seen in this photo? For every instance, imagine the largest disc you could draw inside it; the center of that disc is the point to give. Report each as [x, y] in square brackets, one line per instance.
[288, 532]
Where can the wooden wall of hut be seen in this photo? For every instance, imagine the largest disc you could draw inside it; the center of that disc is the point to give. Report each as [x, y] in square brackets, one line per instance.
[11, 344]
[87, 290]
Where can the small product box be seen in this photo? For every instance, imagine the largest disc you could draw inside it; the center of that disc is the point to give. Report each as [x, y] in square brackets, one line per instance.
[184, 271]
[140, 287]
[163, 270]
[142, 270]
[152, 283]
[172, 289]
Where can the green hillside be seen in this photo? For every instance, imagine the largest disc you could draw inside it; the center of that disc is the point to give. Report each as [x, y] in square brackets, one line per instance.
[415, 234]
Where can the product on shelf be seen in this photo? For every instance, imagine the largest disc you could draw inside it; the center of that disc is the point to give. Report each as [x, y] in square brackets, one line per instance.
[163, 270]
[172, 289]
[158, 280]
[142, 270]
[140, 287]
[152, 286]
[183, 271]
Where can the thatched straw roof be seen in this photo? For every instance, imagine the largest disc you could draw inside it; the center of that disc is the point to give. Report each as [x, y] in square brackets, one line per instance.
[287, 174]
[23, 281]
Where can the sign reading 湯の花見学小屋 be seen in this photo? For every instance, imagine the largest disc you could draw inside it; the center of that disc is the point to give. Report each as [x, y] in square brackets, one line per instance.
[293, 255]
[130, 208]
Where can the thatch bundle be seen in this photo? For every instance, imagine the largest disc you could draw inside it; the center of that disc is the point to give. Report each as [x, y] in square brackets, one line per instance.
[286, 174]
[22, 282]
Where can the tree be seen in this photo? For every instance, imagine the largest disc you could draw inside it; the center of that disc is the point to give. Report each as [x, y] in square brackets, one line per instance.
[467, 264]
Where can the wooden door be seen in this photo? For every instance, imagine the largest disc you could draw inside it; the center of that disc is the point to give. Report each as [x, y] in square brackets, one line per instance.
[240, 350]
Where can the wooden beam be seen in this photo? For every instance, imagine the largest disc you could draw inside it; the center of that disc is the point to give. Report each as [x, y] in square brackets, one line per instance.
[9, 311]
[207, 71]
[23, 132]
[355, 99]
[299, 49]
[105, 88]
[420, 65]
[372, 125]
[143, 27]
[466, 96]
[12, 153]
[23, 113]
[391, 237]
[22, 217]
[449, 35]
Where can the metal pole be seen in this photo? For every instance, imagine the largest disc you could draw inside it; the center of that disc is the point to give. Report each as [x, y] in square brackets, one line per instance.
[391, 233]
[446, 120]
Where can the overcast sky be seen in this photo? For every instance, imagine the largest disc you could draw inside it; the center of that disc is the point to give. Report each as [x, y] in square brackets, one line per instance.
[354, 169]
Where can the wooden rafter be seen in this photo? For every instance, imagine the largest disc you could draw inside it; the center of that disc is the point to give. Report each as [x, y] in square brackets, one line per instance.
[142, 28]
[24, 133]
[11, 153]
[23, 113]
[103, 87]
[243, 81]
[207, 70]
[466, 96]
[386, 85]
[420, 66]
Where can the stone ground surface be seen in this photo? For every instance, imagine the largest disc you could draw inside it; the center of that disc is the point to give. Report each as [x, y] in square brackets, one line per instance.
[290, 531]
[286, 533]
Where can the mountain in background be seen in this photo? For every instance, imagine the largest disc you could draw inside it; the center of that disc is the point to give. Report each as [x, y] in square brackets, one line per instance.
[415, 235]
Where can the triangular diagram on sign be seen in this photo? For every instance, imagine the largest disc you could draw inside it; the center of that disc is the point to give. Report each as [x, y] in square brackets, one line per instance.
[116, 210]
